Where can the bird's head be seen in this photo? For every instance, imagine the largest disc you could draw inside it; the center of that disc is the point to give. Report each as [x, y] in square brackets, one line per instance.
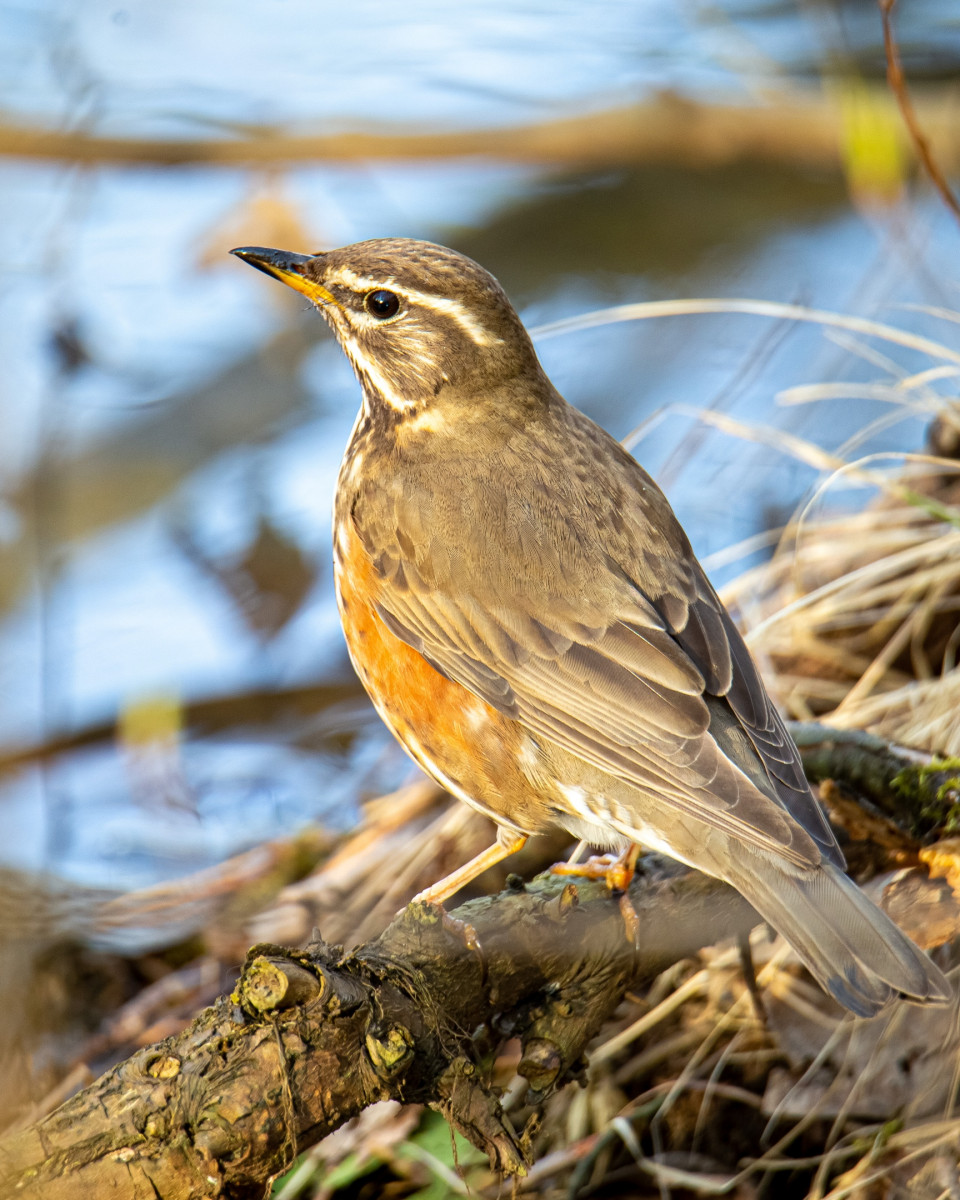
[422, 325]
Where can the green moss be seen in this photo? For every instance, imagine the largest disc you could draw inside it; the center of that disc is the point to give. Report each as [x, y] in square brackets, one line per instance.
[931, 796]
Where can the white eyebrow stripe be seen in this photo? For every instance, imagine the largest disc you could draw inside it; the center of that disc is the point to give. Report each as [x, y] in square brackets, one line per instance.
[440, 304]
[349, 278]
[457, 312]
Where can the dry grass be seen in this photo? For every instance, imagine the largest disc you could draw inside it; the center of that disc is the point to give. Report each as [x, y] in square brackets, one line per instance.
[856, 616]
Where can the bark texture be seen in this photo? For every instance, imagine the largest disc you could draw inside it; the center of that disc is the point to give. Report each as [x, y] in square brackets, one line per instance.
[310, 1038]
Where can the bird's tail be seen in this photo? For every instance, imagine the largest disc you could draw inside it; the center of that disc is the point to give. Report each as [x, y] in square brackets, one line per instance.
[855, 951]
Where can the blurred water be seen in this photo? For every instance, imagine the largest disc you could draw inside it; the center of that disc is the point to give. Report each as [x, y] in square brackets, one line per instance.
[195, 66]
[138, 474]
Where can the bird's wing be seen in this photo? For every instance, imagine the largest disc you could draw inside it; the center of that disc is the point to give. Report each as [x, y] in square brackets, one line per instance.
[631, 698]
[615, 647]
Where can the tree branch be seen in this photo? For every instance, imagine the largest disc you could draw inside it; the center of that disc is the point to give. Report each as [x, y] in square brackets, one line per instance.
[309, 1039]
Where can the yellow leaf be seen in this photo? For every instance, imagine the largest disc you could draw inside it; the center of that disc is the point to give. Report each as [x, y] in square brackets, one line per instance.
[149, 720]
[873, 145]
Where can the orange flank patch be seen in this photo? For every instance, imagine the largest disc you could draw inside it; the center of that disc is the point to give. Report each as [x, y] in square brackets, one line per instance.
[467, 746]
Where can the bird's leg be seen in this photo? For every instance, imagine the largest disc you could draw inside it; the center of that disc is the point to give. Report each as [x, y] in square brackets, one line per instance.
[507, 843]
[618, 874]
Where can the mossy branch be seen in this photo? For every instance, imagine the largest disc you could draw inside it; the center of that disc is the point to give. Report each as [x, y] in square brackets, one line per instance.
[918, 793]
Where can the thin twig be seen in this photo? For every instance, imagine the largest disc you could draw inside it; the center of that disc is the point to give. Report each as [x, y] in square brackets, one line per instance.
[898, 85]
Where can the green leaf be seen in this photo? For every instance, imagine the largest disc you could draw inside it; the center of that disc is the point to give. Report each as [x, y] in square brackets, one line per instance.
[353, 1167]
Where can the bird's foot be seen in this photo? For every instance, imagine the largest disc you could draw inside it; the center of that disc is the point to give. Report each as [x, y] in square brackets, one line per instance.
[434, 896]
[597, 866]
[432, 912]
[462, 930]
[617, 870]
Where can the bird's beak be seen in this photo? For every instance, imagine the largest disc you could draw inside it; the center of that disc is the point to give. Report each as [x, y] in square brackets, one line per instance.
[288, 267]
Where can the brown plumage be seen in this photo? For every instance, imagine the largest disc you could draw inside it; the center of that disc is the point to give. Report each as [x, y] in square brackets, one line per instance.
[531, 622]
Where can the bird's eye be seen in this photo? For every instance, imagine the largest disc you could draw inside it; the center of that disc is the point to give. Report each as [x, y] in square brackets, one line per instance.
[381, 304]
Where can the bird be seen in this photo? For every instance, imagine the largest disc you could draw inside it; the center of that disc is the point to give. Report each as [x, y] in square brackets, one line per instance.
[530, 620]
